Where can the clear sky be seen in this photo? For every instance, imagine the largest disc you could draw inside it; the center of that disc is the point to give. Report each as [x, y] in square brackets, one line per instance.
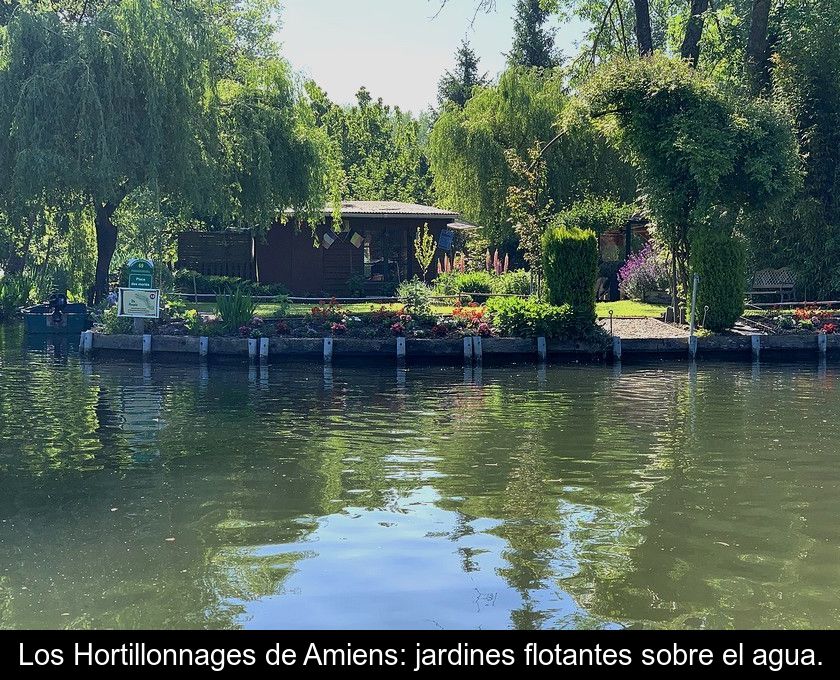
[394, 47]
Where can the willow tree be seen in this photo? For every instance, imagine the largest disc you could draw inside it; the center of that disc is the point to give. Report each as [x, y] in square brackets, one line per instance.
[469, 150]
[187, 100]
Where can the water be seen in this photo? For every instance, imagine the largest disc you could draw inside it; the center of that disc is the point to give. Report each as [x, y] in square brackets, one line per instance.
[573, 496]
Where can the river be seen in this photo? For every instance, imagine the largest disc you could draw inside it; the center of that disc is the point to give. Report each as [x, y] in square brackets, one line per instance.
[662, 495]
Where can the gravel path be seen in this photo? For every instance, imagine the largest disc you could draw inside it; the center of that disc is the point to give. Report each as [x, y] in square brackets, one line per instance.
[643, 328]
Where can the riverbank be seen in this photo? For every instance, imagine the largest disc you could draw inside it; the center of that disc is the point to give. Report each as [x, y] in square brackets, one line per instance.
[468, 349]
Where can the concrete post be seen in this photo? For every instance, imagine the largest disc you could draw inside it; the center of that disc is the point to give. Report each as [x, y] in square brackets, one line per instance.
[756, 346]
[542, 349]
[252, 348]
[263, 349]
[468, 350]
[147, 345]
[692, 346]
[822, 343]
[400, 348]
[616, 348]
[328, 350]
[203, 346]
[476, 343]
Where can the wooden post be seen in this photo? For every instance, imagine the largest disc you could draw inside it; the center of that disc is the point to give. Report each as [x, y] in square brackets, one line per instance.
[692, 346]
[468, 350]
[476, 343]
[328, 350]
[756, 346]
[147, 345]
[203, 346]
[252, 348]
[263, 349]
[542, 349]
[400, 348]
[616, 348]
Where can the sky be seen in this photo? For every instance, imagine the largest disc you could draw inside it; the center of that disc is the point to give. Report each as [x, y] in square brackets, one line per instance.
[395, 48]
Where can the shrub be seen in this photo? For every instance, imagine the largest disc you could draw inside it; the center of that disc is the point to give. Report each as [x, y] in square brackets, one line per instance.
[720, 261]
[205, 284]
[570, 264]
[416, 298]
[644, 272]
[479, 284]
[531, 318]
[513, 283]
[116, 325]
[236, 308]
[15, 292]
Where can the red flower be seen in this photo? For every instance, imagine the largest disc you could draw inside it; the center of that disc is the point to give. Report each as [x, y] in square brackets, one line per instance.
[397, 328]
[830, 328]
[338, 328]
[484, 330]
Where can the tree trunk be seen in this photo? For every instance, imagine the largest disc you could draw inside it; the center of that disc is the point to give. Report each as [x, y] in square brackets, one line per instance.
[757, 45]
[643, 33]
[106, 244]
[693, 32]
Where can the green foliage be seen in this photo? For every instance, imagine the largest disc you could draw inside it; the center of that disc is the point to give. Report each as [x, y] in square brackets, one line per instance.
[116, 325]
[512, 283]
[236, 307]
[517, 317]
[380, 149]
[15, 292]
[456, 87]
[416, 298]
[467, 150]
[424, 249]
[721, 263]
[478, 284]
[570, 263]
[529, 203]
[188, 281]
[597, 214]
[533, 41]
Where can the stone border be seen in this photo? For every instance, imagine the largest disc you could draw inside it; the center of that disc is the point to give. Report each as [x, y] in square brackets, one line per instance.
[466, 349]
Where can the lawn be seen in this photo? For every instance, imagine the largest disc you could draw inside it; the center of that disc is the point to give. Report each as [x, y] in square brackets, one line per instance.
[629, 308]
[626, 308]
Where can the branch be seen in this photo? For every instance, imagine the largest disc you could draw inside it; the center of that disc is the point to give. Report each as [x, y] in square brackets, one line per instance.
[601, 28]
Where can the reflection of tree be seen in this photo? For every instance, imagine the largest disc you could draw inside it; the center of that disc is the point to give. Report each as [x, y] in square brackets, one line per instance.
[657, 498]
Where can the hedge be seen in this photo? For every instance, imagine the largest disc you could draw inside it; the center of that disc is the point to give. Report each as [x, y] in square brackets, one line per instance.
[720, 260]
[570, 265]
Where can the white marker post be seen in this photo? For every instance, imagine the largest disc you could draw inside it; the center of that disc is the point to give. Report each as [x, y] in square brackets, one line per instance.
[542, 349]
[400, 348]
[616, 348]
[468, 350]
[328, 350]
[263, 349]
[252, 348]
[203, 346]
[476, 343]
[147, 345]
[756, 346]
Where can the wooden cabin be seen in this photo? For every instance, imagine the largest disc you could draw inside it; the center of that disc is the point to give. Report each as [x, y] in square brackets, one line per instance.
[370, 252]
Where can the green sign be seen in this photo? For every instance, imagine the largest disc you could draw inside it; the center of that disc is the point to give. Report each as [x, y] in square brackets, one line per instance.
[140, 273]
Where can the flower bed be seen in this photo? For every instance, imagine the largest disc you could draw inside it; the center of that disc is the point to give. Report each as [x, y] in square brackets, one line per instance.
[802, 321]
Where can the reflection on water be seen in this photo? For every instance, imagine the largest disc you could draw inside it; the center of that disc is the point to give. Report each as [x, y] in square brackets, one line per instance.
[297, 496]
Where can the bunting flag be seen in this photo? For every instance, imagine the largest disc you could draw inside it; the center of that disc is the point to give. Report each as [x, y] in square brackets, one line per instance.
[357, 239]
[328, 240]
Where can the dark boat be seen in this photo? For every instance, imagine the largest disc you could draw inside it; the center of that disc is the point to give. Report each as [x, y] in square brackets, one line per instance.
[57, 316]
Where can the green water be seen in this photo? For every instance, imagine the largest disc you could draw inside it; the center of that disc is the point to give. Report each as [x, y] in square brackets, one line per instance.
[656, 495]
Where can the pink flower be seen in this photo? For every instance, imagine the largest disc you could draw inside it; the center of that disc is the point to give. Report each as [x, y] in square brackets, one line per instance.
[398, 328]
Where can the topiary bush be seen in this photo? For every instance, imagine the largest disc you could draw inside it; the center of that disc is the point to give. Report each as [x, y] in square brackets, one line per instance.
[479, 284]
[529, 318]
[570, 266]
[721, 262]
[513, 283]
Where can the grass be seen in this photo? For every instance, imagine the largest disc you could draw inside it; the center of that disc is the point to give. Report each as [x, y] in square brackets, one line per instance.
[629, 308]
[626, 308]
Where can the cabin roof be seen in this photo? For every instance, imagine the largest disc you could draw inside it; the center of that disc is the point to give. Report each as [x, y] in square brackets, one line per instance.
[390, 209]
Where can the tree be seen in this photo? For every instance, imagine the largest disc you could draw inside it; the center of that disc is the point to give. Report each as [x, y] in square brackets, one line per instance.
[643, 32]
[457, 86]
[756, 54]
[424, 249]
[380, 149]
[186, 100]
[533, 42]
[530, 206]
[690, 50]
[707, 161]
[467, 150]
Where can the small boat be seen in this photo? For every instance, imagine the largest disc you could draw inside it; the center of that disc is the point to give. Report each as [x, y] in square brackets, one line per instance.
[56, 316]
